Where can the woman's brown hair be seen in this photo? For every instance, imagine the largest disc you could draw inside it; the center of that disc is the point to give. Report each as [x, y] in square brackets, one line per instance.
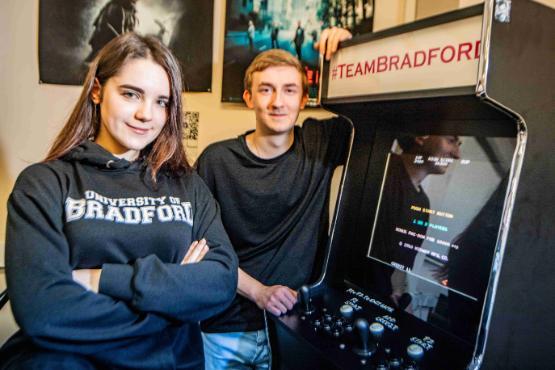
[166, 151]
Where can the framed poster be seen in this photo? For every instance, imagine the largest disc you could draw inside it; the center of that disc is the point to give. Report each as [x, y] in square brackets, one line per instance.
[72, 31]
[253, 26]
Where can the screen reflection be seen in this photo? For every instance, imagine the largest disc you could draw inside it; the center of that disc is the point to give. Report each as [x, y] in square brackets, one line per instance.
[436, 226]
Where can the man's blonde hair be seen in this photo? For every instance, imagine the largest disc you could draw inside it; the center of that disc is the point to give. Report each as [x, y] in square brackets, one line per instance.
[273, 58]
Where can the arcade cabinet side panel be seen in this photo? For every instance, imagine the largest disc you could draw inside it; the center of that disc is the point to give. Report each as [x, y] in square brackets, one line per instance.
[521, 78]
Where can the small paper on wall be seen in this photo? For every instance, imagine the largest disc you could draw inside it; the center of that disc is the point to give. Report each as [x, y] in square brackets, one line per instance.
[191, 129]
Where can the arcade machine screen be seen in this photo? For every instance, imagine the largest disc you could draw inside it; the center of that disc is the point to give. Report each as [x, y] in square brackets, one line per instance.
[436, 225]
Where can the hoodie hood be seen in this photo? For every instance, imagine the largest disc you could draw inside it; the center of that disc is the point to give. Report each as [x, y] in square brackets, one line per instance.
[90, 153]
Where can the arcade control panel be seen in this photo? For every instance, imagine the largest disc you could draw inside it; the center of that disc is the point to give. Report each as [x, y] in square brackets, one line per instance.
[347, 329]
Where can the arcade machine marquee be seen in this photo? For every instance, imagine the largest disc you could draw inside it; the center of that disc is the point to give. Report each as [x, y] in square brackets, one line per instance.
[426, 214]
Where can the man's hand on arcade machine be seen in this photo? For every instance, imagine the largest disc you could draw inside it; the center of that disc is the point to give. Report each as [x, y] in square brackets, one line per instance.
[330, 39]
[276, 299]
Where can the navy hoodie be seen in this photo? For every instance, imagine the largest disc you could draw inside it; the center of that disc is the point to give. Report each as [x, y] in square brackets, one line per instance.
[93, 210]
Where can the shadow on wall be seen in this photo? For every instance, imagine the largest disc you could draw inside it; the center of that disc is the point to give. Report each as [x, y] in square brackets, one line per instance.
[7, 322]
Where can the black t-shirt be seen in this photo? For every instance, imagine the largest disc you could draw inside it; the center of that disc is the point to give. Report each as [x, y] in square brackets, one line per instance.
[274, 210]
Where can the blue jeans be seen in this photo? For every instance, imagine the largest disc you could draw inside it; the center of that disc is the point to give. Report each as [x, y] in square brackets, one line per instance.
[237, 350]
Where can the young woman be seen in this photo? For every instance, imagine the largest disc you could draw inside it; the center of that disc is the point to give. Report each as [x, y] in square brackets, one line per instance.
[114, 248]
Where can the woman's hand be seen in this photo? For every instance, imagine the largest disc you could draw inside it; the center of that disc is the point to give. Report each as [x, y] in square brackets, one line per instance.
[196, 252]
[88, 278]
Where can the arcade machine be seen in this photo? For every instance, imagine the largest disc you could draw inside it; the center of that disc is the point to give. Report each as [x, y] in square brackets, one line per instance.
[441, 246]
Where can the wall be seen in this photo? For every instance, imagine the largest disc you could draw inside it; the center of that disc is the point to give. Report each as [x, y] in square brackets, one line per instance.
[428, 8]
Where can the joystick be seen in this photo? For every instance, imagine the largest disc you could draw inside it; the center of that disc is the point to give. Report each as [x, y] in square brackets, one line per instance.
[365, 349]
[305, 300]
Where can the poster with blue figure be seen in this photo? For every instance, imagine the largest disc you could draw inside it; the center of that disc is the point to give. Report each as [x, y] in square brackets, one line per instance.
[253, 26]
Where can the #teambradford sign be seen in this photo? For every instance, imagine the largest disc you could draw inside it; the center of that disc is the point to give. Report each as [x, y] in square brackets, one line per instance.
[440, 57]
[71, 32]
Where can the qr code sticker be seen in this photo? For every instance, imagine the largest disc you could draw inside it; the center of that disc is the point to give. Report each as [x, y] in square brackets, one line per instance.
[191, 127]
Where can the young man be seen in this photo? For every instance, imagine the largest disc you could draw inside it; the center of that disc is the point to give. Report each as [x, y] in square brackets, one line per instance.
[273, 187]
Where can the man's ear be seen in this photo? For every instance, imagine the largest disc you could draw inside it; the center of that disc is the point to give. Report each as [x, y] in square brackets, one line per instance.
[304, 100]
[247, 97]
[419, 140]
[96, 92]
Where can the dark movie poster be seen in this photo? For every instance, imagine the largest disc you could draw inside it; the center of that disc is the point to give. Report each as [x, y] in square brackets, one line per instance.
[253, 26]
[71, 32]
